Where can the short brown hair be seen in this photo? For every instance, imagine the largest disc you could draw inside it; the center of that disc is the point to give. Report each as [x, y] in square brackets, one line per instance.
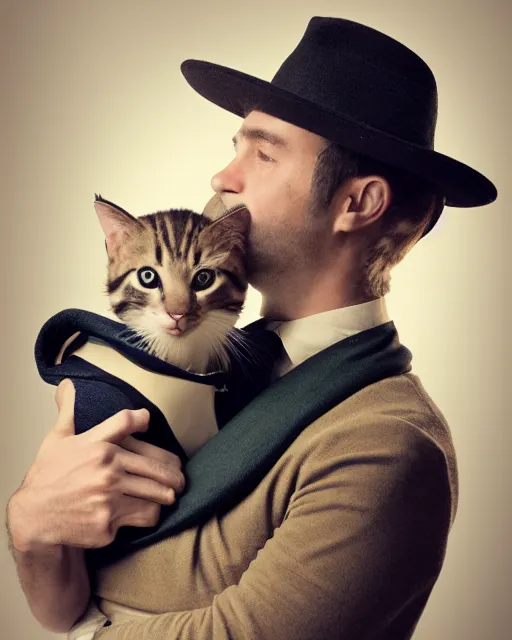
[414, 203]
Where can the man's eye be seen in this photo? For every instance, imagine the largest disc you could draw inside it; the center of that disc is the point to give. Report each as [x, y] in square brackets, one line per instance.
[264, 157]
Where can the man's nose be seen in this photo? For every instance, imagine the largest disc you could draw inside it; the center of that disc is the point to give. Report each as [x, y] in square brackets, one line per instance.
[229, 179]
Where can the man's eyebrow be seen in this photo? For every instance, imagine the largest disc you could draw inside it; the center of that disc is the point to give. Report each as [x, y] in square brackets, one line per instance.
[250, 133]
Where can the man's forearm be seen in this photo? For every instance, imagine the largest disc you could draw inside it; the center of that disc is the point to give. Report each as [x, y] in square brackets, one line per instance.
[54, 578]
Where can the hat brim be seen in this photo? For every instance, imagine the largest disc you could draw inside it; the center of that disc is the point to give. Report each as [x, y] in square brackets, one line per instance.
[239, 93]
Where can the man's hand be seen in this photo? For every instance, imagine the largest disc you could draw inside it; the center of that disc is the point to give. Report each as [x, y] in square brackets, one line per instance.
[82, 488]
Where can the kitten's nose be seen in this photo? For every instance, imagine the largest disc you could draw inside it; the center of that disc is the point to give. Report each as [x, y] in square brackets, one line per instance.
[177, 316]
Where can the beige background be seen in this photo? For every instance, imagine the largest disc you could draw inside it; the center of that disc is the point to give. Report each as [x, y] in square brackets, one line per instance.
[93, 101]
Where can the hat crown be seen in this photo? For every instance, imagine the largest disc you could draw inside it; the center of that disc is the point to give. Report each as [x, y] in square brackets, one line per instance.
[359, 88]
[354, 70]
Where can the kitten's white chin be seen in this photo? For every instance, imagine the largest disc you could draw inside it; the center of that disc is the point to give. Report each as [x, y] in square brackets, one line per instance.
[199, 349]
[173, 332]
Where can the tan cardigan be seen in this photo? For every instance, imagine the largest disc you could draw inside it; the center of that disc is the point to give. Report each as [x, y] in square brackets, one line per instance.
[343, 538]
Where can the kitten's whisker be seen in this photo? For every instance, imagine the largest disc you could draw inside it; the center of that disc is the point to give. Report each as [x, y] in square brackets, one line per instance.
[242, 358]
[241, 347]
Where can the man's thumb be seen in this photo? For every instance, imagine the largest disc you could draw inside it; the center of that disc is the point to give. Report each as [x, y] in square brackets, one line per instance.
[65, 424]
[65, 400]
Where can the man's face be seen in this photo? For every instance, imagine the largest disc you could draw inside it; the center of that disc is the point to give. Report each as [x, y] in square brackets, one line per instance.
[271, 174]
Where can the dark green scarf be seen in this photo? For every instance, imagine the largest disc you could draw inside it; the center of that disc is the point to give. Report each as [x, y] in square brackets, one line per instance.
[230, 465]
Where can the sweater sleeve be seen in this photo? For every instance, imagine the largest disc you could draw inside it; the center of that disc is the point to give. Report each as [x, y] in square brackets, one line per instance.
[359, 550]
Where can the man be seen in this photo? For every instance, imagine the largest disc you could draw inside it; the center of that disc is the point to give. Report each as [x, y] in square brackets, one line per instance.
[339, 529]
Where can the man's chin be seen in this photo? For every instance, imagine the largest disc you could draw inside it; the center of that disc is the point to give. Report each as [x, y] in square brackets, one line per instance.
[256, 276]
[254, 280]
[263, 280]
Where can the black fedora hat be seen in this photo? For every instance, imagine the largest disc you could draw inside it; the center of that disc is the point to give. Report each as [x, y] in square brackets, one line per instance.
[360, 88]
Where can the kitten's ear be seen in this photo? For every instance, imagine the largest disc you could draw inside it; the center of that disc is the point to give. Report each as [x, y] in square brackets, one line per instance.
[229, 227]
[117, 224]
[238, 218]
[214, 208]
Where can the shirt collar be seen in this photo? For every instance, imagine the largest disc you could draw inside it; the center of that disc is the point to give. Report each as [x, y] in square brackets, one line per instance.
[307, 336]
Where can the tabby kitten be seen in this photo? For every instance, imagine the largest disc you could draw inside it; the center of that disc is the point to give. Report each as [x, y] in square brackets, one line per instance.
[178, 280]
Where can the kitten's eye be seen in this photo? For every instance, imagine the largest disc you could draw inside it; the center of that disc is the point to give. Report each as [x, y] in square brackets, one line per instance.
[203, 279]
[148, 278]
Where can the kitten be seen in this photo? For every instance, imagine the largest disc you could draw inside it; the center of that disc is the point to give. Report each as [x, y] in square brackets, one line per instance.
[178, 280]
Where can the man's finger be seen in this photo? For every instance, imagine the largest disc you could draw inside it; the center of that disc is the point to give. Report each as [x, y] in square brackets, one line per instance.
[116, 428]
[150, 451]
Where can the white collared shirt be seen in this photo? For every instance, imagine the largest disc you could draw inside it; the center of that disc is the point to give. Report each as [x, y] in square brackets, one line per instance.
[307, 336]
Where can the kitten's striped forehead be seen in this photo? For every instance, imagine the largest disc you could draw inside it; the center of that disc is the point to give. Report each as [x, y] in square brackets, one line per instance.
[175, 233]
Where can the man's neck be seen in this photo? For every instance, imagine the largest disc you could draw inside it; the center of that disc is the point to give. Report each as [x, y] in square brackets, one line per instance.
[333, 280]
[295, 306]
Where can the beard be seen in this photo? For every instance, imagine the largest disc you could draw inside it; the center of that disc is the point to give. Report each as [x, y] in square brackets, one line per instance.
[278, 256]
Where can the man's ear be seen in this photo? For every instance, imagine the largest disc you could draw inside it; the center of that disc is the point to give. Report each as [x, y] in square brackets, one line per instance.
[361, 202]
[115, 222]
[214, 208]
